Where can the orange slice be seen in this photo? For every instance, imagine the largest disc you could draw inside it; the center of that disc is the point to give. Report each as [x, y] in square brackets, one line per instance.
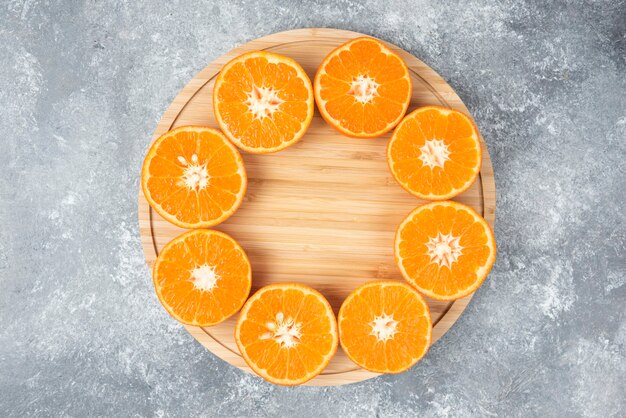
[287, 333]
[193, 177]
[435, 153]
[445, 250]
[385, 326]
[263, 101]
[362, 88]
[202, 277]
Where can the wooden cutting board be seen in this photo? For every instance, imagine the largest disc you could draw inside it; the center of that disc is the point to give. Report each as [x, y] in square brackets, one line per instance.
[323, 212]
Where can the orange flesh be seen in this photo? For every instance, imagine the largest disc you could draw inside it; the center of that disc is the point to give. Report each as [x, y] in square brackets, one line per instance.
[363, 88]
[193, 177]
[408, 324]
[298, 357]
[273, 86]
[461, 253]
[192, 263]
[435, 153]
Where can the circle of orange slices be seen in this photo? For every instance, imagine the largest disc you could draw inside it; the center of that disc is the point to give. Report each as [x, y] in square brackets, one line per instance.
[194, 177]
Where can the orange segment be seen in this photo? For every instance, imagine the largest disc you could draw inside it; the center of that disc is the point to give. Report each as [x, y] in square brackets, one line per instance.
[193, 177]
[202, 277]
[435, 153]
[445, 250]
[287, 333]
[362, 88]
[263, 101]
[385, 326]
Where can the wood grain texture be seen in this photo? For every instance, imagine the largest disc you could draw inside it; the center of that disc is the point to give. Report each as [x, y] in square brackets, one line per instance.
[323, 212]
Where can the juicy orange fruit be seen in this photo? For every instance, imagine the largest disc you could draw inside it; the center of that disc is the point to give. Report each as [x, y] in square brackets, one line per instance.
[287, 333]
[445, 250]
[263, 101]
[193, 177]
[434, 153]
[362, 88]
[385, 326]
[202, 277]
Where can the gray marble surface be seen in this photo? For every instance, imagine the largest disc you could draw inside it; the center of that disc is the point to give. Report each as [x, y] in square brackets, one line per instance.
[82, 86]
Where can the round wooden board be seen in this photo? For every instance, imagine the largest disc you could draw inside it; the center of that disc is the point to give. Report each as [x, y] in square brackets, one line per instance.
[323, 212]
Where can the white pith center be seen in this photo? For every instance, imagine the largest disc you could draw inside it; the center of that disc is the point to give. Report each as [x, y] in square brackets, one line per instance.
[195, 176]
[383, 327]
[434, 153]
[363, 88]
[444, 249]
[204, 278]
[285, 331]
[263, 102]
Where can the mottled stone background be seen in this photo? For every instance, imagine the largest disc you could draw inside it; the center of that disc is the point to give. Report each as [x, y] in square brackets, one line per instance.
[82, 86]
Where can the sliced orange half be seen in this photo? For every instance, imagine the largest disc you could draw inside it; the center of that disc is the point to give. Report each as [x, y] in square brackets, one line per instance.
[445, 249]
[385, 326]
[363, 88]
[287, 333]
[202, 277]
[193, 177]
[435, 153]
[263, 101]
